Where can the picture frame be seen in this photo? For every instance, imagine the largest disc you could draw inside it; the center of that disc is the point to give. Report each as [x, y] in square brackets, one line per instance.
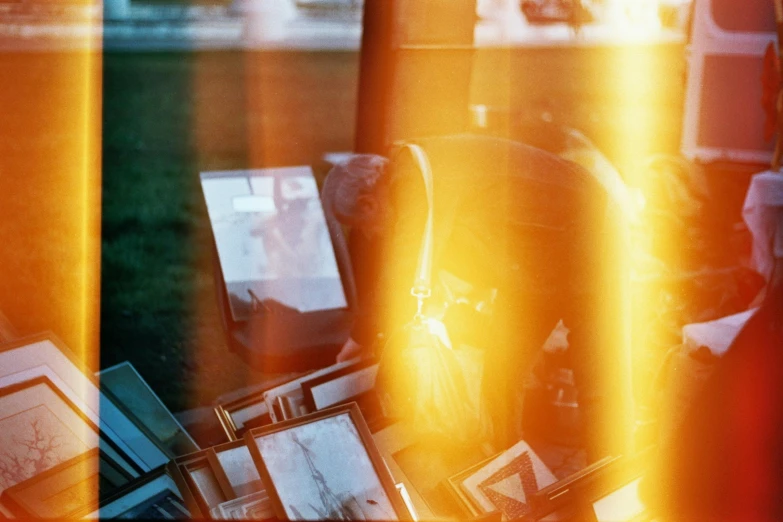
[255, 506]
[236, 463]
[245, 408]
[307, 482]
[506, 482]
[44, 354]
[250, 411]
[202, 484]
[389, 441]
[40, 428]
[291, 396]
[293, 261]
[66, 489]
[590, 493]
[340, 386]
[153, 495]
[128, 390]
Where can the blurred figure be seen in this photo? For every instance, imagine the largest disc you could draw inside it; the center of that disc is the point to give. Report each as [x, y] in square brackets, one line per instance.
[725, 462]
[507, 217]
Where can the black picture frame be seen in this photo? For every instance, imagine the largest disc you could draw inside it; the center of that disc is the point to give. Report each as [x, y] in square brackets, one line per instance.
[311, 387]
[155, 491]
[341, 447]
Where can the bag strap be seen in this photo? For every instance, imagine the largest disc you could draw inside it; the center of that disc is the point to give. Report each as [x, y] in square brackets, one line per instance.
[422, 282]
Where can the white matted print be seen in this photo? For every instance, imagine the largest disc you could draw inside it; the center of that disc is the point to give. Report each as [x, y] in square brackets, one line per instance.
[508, 481]
[322, 470]
[43, 354]
[40, 429]
[272, 238]
[240, 470]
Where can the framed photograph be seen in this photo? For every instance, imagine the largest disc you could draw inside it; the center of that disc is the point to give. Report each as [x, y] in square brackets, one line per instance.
[68, 488]
[234, 459]
[255, 506]
[152, 496]
[131, 394]
[506, 482]
[340, 386]
[44, 355]
[272, 239]
[202, 484]
[293, 405]
[325, 466]
[41, 428]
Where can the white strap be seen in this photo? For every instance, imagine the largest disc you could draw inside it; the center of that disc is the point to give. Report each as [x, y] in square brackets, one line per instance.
[421, 283]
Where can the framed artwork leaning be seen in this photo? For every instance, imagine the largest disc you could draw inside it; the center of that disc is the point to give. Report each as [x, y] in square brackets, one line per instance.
[44, 354]
[68, 488]
[203, 485]
[41, 428]
[325, 466]
[348, 384]
[506, 482]
[236, 463]
[155, 495]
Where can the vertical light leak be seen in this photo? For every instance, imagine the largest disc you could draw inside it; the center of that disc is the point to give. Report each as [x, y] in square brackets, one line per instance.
[91, 180]
[87, 105]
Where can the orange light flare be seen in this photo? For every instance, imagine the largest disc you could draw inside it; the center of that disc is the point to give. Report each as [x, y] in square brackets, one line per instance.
[50, 188]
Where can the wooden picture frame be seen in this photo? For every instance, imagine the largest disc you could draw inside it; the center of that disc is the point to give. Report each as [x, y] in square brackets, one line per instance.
[284, 400]
[340, 470]
[576, 495]
[389, 441]
[236, 419]
[239, 412]
[340, 386]
[154, 495]
[494, 484]
[45, 355]
[60, 491]
[236, 463]
[255, 506]
[203, 485]
[40, 428]
[468, 505]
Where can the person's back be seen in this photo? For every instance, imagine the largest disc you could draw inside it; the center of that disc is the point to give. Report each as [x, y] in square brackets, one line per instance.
[522, 221]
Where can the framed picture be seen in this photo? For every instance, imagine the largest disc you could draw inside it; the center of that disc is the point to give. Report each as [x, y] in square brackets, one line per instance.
[67, 488]
[202, 484]
[325, 466]
[339, 386]
[255, 506]
[272, 239]
[506, 482]
[130, 393]
[152, 496]
[406, 499]
[286, 401]
[234, 459]
[389, 441]
[41, 428]
[606, 490]
[44, 355]
[249, 411]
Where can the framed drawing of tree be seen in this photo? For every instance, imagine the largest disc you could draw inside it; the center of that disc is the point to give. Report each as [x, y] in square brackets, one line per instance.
[325, 466]
[40, 428]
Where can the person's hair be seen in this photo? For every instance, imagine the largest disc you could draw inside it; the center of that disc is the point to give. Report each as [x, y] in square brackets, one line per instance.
[352, 179]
